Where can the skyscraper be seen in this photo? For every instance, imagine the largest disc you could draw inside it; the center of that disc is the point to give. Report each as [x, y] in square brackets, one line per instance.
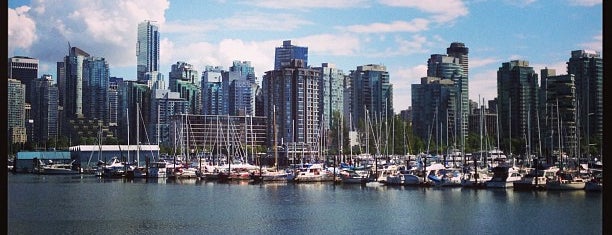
[460, 51]
[73, 96]
[292, 94]
[164, 104]
[283, 55]
[587, 68]
[45, 109]
[147, 49]
[560, 115]
[331, 93]
[214, 101]
[517, 92]
[186, 80]
[430, 104]
[16, 111]
[24, 69]
[456, 108]
[95, 86]
[372, 92]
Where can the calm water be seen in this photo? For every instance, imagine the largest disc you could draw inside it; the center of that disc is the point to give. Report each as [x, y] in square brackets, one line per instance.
[87, 205]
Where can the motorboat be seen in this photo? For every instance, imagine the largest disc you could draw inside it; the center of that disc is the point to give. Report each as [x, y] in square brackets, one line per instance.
[503, 177]
[53, 168]
[566, 180]
[313, 173]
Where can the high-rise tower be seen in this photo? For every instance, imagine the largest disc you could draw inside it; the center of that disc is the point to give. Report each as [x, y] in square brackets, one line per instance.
[587, 68]
[147, 49]
[517, 93]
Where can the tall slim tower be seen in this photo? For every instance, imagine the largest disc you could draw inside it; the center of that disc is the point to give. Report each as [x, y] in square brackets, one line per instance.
[16, 111]
[73, 96]
[517, 93]
[460, 51]
[371, 92]
[587, 68]
[147, 49]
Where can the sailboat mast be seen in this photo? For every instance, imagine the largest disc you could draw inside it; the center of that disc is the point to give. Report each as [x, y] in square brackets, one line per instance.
[275, 143]
[137, 134]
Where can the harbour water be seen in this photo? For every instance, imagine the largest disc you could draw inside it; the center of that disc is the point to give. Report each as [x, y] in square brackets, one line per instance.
[39, 204]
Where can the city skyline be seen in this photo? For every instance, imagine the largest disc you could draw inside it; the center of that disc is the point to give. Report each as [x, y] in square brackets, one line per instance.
[400, 35]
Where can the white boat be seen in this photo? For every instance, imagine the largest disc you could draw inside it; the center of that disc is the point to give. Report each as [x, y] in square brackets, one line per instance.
[451, 177]
[566, 180]
[276, 176]
[535, 179]
[414, 177]
[314, 173]
[503, 177]
[114, 169]
[51, 168]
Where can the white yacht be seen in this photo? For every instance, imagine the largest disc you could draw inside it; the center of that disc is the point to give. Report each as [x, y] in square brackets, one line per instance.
[503, 177]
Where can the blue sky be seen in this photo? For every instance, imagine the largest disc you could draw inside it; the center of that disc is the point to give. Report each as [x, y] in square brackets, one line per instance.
[400, 34]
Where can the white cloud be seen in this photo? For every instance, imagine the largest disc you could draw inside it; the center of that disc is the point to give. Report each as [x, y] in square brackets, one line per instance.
[302, 4]
[483, 83]
[327, 44]
[585, 3]
[402, 80]
[595, 44]
[443, 10]
[480, 62]
[21, 28]
[415, 25]
[104, 28]
[520, 3]
[560, 67]
[200, 54]
[240, 21]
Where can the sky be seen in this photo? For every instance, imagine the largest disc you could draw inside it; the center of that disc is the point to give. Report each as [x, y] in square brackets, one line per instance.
[400, 34]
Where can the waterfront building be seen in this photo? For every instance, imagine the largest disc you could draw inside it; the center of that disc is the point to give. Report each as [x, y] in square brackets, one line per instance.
[331, 93]
[45, 109]
[212, 133]
[25, 70]
[16, 111]
[291, 101]
[517, 93]
[214, 99]
[185, 79]
[113, 103]
[458, 108]
[116, 85]
[164, 104]
[147, 49]
[561, 114]
[138, 100]
[587, 68]
[242, 88]
[347, 100]
[288, 52]
[95, 88]
[430, 105]
[73, 96]
[61, 81]
[371, 92]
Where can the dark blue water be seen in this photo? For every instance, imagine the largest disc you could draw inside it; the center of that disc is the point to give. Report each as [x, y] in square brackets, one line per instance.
[87, 205]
